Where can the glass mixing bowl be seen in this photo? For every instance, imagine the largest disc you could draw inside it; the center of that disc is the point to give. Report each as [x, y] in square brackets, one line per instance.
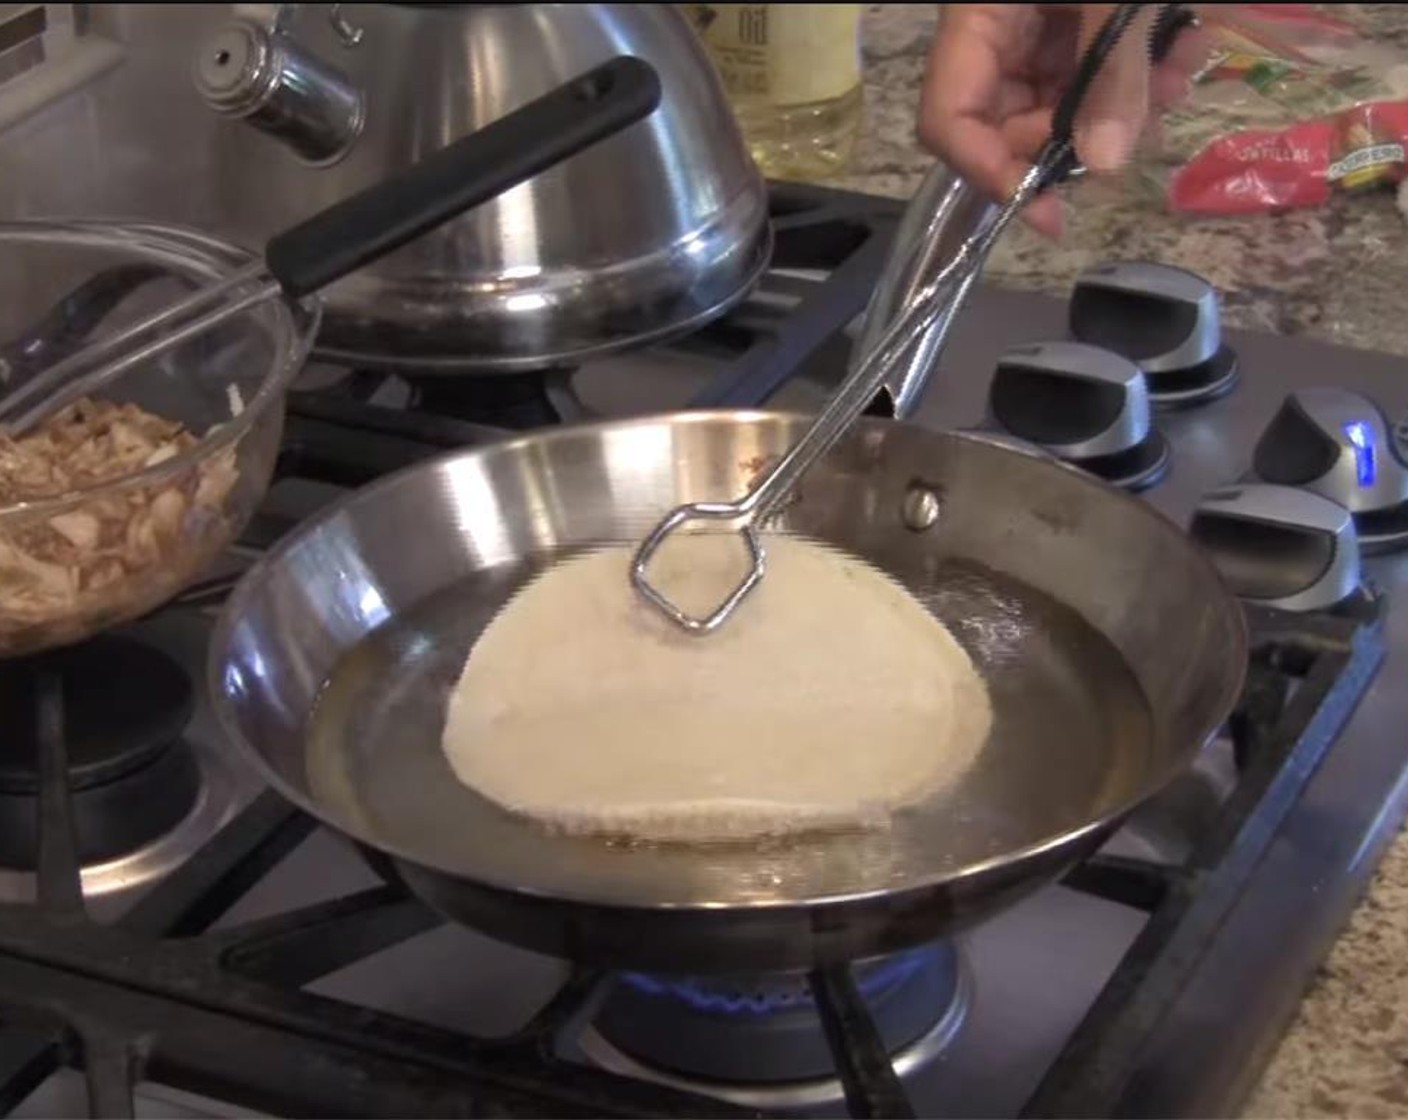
[106, 512]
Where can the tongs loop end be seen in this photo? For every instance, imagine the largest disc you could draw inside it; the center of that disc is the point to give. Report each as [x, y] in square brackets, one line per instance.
[677, 519]
[948, 280]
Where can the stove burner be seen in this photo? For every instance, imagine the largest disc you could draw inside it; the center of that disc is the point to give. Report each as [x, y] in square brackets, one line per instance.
[1199, 384]
[520, 401]
[131, 777]
[759, 1041]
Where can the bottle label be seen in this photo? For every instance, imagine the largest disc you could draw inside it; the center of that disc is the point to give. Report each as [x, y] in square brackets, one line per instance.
[783, 54]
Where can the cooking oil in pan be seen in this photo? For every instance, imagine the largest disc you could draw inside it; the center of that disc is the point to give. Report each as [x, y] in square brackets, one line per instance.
[1072, 738]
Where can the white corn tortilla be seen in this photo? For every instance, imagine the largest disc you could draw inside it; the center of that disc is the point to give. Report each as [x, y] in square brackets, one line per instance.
[830, 698]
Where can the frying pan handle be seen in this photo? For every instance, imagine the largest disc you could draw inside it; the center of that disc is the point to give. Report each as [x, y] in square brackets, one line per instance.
[467, 173]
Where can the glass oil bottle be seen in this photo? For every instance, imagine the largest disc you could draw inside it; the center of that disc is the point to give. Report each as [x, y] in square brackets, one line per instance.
[793, 77]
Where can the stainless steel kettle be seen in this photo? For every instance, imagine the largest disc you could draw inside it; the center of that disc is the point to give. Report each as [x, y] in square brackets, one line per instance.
[649, 234]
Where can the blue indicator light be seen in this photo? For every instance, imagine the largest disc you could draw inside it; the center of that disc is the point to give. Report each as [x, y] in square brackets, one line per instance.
[1361, 438]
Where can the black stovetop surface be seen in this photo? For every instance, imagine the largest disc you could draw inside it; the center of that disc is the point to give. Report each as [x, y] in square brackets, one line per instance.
[171, 991]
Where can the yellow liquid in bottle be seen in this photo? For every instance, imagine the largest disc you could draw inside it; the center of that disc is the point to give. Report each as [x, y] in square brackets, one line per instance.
[793, 77]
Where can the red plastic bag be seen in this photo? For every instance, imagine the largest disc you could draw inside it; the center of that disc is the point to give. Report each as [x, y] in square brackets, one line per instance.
[1294, 107]
[1259, 170]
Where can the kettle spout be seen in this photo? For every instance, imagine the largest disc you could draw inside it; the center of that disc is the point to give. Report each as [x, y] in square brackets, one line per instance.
[260, 75]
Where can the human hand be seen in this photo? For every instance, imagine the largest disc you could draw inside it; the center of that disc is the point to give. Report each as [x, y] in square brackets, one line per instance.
[996, 71]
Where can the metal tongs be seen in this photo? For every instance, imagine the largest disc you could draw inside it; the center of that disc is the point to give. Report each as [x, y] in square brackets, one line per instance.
[934, 303]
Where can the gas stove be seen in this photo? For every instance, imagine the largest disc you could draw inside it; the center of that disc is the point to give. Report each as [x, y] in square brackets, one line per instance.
[176, 940]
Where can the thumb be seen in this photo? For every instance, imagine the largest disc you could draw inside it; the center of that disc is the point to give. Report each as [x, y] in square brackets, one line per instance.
[1116, 106]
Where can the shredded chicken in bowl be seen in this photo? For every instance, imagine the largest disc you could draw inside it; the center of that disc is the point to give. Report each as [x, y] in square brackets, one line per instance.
[62, 574]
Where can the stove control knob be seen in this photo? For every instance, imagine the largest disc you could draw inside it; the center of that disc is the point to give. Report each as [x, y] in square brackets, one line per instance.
[1336, 443]
[1164, 318]
[1075, 401]
[263, 76]
[1279, 546]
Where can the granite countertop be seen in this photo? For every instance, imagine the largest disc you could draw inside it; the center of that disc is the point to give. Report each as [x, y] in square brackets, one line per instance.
[1337, 272]
[1340, 273]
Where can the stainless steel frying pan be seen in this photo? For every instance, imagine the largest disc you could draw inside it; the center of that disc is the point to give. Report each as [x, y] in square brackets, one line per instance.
[1111, 648]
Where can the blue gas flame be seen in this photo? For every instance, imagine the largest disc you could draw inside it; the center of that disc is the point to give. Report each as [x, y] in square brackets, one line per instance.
[723, 998]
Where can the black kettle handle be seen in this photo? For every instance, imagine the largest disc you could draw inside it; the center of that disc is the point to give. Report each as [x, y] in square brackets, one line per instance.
[465, 174]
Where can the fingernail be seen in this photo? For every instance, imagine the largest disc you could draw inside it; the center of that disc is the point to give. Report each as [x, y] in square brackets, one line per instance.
[1108, 145]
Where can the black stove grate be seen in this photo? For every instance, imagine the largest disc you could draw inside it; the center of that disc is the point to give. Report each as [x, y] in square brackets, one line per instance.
[161, 995]
[1307, 674]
